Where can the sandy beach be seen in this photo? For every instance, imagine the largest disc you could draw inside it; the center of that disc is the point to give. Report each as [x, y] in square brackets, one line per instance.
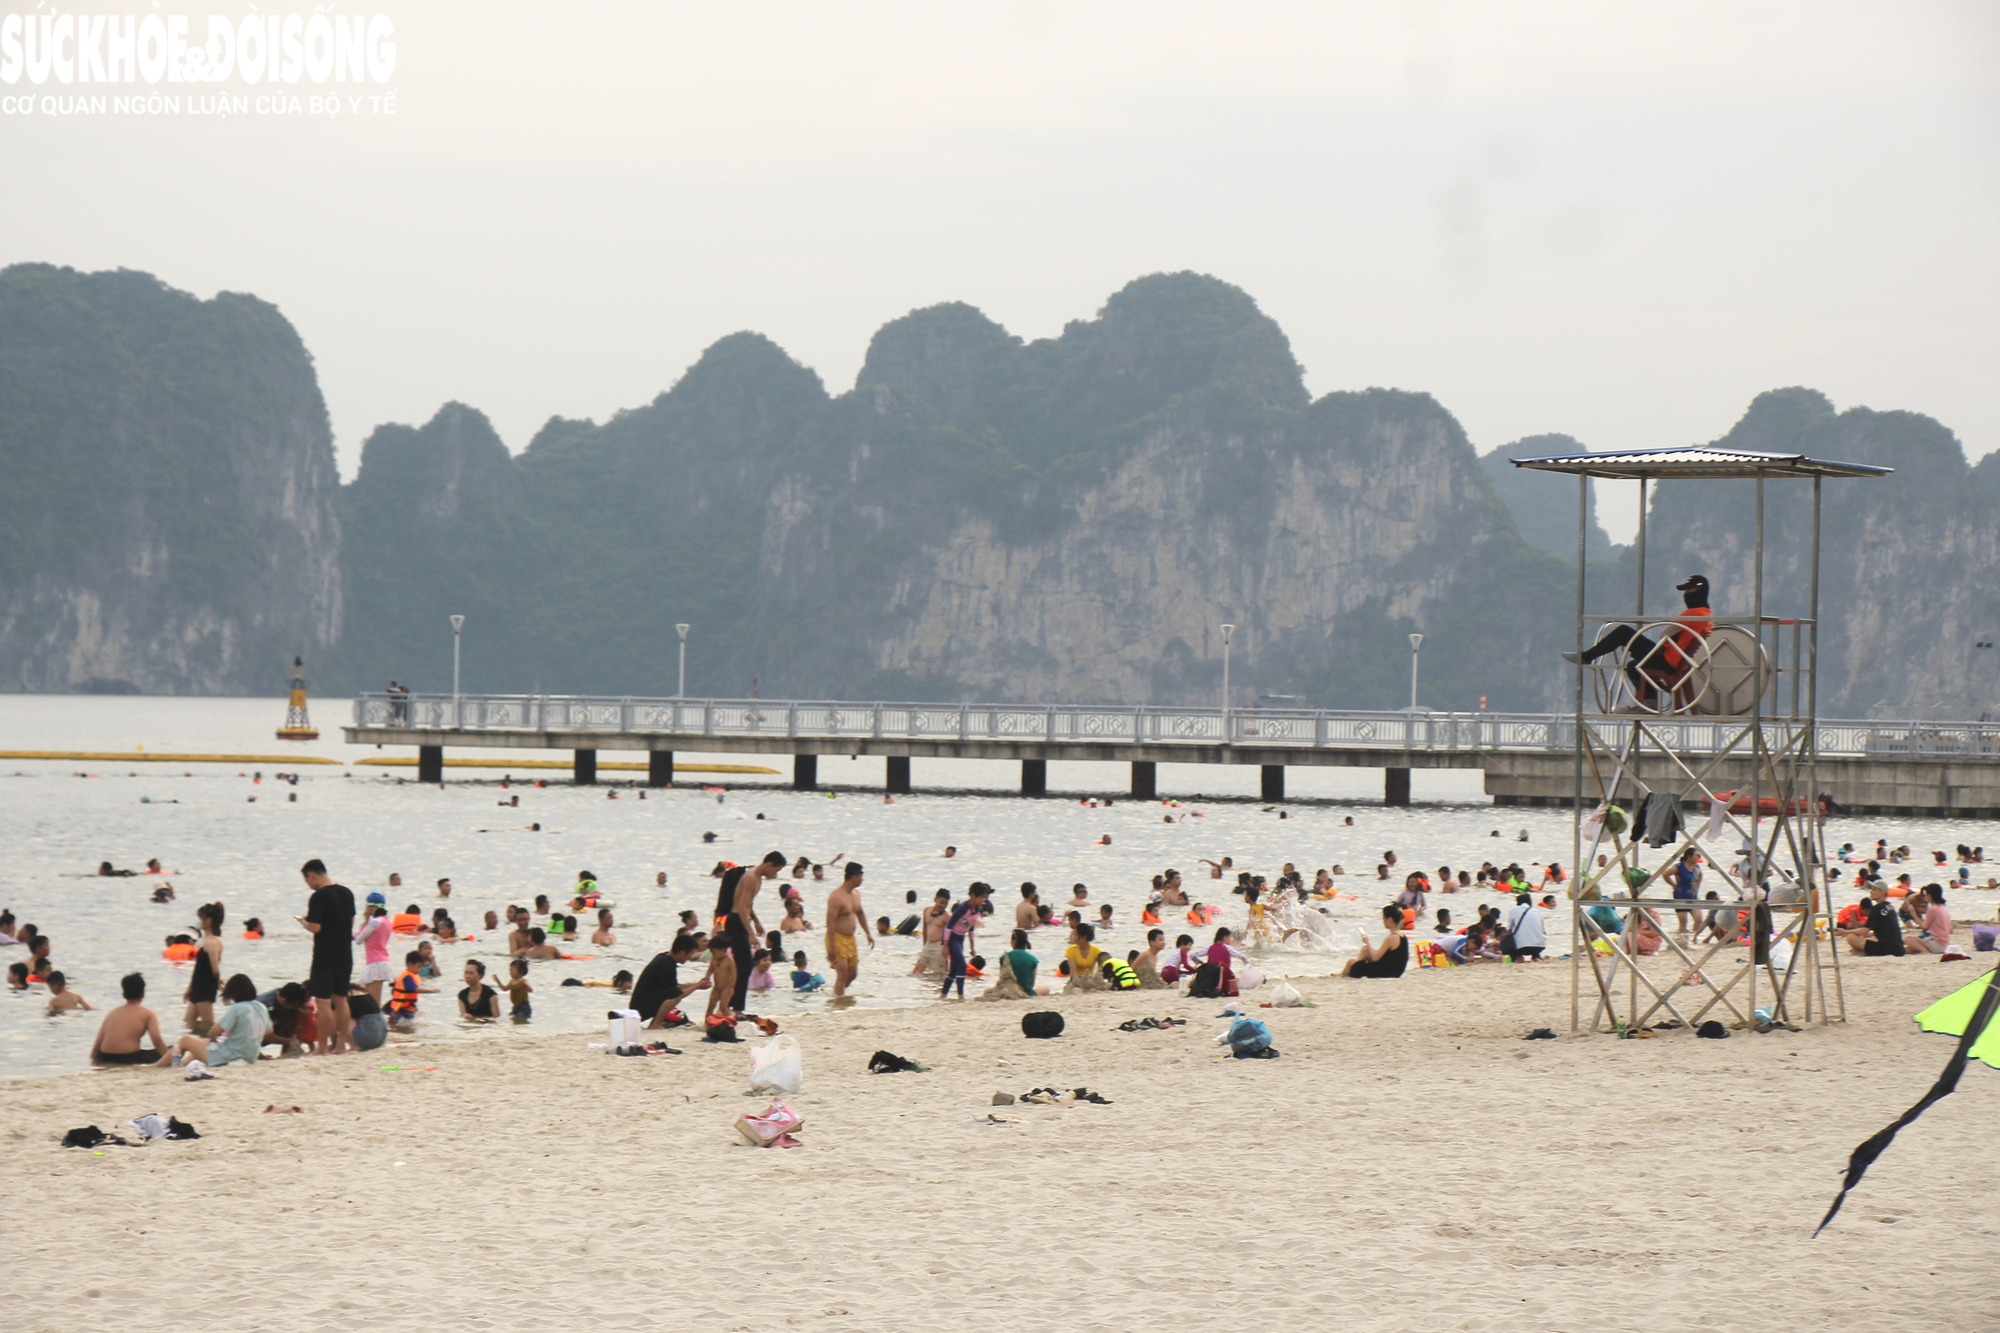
[1409, 1162]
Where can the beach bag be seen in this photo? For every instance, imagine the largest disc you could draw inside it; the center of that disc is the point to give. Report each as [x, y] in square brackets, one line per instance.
[1042, 1023]
[777, 1065]
[624, 1028]
[1207, 983]
[1246, 1037]
[1283, 996]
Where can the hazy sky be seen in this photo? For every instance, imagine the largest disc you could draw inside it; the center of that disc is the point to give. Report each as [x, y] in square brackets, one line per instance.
[1619, 221]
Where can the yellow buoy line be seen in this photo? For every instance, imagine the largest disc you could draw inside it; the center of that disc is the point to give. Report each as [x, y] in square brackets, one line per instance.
[161, 757]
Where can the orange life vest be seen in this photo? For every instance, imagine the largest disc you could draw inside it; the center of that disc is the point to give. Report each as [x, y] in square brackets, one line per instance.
[406, 923]
[403, 998]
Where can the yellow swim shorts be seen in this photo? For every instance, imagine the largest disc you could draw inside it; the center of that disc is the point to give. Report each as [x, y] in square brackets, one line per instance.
[841, 949]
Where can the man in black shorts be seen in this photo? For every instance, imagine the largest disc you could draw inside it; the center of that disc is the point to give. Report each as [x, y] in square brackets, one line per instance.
[737, 904]
[330, 918]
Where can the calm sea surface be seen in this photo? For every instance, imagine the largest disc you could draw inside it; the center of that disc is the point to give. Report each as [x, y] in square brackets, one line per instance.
[222, 833]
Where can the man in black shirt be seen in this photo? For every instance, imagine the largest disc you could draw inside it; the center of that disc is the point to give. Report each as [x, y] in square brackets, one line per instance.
[659, 988]
[330, 918]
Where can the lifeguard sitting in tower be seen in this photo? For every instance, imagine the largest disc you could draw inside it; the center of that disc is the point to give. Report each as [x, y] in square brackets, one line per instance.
[1658, 669]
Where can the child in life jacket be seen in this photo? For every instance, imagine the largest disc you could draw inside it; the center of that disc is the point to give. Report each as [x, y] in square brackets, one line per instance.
[403, 995]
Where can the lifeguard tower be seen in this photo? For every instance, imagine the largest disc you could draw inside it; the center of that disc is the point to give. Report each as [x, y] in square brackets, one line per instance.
[1691, 737]
[298, 723]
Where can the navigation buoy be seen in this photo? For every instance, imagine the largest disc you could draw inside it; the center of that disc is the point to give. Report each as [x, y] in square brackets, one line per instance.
[298, 726]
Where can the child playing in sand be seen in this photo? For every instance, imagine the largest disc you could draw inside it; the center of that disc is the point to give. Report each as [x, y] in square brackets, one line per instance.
[518, 990]
[61, 998]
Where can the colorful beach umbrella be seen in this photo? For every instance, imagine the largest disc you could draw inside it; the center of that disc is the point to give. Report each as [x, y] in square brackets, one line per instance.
[1966, 1013]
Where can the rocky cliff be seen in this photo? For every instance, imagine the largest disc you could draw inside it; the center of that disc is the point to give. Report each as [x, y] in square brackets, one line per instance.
[1909, 568]
[167, 515]
[1076, 518]
[1071, 518]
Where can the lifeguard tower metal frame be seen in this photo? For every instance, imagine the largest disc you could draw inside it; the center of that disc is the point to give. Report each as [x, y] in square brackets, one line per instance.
[1712, 728]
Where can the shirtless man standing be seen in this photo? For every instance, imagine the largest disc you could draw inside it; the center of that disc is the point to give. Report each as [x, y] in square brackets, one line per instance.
[118, 1035]
[843, 914]
[930, 958]
[1027, 912]
[742, 924]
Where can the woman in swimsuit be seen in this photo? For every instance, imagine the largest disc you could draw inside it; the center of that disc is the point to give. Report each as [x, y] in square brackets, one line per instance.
[207, 978]
[1387, 959]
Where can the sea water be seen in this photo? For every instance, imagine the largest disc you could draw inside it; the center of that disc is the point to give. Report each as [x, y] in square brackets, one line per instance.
[232, 832]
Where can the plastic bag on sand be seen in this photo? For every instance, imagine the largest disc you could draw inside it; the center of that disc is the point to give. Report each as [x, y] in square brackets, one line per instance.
[1283, 996]
[1781, 955]
[777, 1065]
[1248, 978]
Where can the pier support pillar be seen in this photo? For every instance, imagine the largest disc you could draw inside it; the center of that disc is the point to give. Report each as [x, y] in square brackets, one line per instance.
[1034, 777]
[805, 772]
[586, 768]
[430, 763]
[1395, 786]
[1145, 780]
[897, 780]
[1274, 782]
[660, 768]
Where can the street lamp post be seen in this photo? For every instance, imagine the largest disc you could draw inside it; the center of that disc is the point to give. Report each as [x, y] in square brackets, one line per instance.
[1416, 645]
[681, 690]
[457, 711]
[1228, 632]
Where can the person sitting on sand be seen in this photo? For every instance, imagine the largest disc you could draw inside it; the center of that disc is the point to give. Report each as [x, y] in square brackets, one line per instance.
[119, 1035]
[1934, 935]
[1215, 976]
[236, 1036]
[294, 1023]
[1179, 961]
[1146, 964]
[1084, 959]
[1646, 937]
[603, 934]
[1881, 934]
[1387, 959]
[61, 998]
[1015, 977]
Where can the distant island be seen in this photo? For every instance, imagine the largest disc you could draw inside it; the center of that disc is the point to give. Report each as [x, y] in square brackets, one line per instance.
[979, 516]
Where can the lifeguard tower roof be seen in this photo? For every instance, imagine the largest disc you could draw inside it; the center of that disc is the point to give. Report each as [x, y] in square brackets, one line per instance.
[1699, 461]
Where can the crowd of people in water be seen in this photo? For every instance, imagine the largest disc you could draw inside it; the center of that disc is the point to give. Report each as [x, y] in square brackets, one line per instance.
[731, 956]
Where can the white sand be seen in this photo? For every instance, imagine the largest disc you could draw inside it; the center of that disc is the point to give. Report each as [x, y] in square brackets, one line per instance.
[1410, 1162]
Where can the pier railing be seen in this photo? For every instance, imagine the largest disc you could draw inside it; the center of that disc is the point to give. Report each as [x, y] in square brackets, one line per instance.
[1305, 729]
